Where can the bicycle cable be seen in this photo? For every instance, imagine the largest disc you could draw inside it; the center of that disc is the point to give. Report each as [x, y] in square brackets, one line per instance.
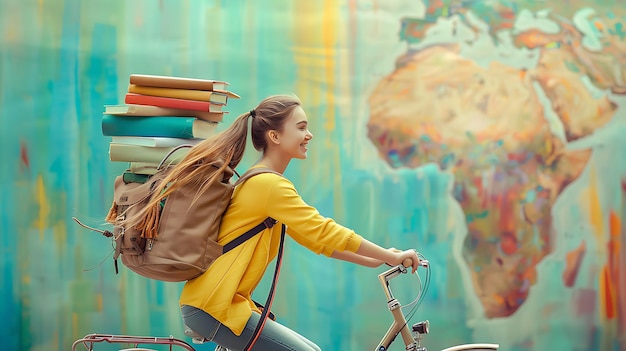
[417, 297]
[422, 288]
[420, 297]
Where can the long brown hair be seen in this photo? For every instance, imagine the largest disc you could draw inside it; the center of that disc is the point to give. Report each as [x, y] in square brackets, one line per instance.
[223, 150]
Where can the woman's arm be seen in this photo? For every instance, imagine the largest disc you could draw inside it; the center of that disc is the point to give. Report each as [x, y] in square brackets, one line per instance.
[355, 258]
[372, 255]
[318, 233]
[392, 257]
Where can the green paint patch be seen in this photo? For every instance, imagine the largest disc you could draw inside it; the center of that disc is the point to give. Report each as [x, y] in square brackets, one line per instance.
[473, 216]
[572, 66]
[553, 45]
[618, 30]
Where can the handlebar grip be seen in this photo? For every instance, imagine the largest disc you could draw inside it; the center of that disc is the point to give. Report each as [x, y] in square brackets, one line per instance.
[407, 262]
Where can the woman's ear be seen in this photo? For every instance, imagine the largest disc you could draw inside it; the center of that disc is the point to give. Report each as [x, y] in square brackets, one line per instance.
[272, 135]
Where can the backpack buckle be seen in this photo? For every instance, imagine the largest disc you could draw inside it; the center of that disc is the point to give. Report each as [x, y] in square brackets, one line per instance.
[269, 222]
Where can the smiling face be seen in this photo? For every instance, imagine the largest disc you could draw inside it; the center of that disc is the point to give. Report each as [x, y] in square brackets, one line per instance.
[294, 137]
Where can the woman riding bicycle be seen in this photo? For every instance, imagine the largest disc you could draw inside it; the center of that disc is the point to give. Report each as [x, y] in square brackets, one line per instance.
[218, 304]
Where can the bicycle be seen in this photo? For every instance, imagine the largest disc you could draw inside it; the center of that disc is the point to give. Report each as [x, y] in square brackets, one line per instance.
[412, 337]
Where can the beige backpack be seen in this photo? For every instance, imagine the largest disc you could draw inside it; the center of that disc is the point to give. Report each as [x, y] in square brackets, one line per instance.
[186, 240]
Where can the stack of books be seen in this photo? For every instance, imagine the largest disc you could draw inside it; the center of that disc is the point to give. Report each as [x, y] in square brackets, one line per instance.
[160, 114]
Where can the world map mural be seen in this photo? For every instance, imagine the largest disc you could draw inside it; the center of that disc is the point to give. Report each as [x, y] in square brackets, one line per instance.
[486, 134]
[494, 91]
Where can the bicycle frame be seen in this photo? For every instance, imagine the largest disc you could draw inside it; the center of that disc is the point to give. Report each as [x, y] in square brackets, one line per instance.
[399, 325]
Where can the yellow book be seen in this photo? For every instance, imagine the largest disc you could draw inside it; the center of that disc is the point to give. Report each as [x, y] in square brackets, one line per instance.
[213, 97]
[177, 82]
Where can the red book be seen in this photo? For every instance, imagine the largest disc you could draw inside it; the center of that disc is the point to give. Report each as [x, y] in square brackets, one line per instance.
[159, 101]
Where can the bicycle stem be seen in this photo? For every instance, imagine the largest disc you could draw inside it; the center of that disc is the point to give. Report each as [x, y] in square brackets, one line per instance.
[386, 276]
[393, 272]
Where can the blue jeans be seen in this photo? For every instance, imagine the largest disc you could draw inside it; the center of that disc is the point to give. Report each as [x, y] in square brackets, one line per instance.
[274, 337]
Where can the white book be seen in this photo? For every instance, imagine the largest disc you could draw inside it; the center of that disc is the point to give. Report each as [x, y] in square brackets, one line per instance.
[138, 153]
[153, 141]
[147, 110]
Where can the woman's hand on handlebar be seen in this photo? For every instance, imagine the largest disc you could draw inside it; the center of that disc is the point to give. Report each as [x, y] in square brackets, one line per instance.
[408, 258]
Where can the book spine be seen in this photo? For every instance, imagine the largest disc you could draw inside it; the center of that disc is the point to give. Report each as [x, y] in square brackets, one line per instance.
[143, 167]
[159, 101]
[147, 110]
[145, 154]
[157, 126]
[188, 94]
[153, 141]
[177, 82]
[211, 116]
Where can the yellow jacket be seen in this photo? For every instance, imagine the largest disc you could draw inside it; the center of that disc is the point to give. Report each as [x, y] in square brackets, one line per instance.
[224, 290]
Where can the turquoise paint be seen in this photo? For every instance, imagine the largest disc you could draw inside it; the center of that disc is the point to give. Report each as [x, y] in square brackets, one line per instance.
[77, 55]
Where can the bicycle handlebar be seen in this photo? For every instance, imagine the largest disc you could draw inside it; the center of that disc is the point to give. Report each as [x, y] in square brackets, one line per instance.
[395, 271]
[409, 262]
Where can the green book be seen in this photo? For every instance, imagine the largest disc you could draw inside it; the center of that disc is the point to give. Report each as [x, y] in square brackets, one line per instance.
[157, 126]
[130, 177]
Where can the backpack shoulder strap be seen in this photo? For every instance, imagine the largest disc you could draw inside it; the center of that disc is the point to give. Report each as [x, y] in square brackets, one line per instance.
[255, 171]
[267, 223]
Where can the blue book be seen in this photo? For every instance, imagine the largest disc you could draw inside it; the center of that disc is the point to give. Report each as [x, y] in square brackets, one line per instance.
[157, 126]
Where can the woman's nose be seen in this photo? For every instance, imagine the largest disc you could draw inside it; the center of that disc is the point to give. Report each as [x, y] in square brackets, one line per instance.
[309, 134]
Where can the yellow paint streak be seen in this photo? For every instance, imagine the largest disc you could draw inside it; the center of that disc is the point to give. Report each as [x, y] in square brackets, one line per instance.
[55, 338]
[40, 8]
[74, 324]
[315, 55]
[316, 35]
[305, 50]
[329, 40]
[549, 146]
[60, 229]
[44, 207]
[305, 37]
[331, 18]
[11, 33]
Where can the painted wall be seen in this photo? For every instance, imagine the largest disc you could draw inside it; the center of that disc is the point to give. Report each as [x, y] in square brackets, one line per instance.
[486, 134]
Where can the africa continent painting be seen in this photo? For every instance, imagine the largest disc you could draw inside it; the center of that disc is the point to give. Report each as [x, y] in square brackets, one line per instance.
[513, 98]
